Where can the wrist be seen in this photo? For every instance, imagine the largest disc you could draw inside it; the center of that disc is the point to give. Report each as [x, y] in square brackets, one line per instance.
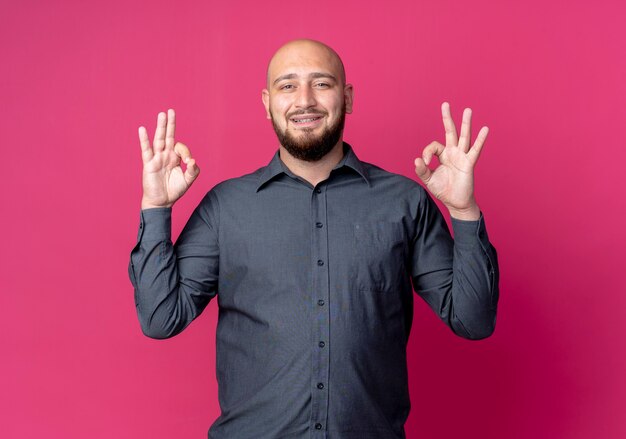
[471, 213]
[148, 205]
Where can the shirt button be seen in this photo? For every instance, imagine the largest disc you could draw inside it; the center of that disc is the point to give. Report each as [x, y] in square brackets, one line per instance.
[318, 426]
[320, 302]
[318, 225]
[322, 344]
[320, 262]
[140, 225]
[320, 385]
[318, 190]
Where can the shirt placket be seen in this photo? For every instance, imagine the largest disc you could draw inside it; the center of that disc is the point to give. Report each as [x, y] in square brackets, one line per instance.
[321, 316]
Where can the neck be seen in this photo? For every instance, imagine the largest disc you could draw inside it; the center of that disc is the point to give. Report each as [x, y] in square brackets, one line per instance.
[317, 171]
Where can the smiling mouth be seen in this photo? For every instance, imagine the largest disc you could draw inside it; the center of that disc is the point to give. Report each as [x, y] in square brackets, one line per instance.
[306, 121]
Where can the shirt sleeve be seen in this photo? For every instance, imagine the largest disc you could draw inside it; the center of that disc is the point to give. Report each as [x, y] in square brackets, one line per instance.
[459, 277]
[174, 282]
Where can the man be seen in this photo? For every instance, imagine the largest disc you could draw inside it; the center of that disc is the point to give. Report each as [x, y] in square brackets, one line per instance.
[314, 259]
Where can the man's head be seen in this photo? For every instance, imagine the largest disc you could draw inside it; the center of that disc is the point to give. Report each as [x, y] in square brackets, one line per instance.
[307, 98]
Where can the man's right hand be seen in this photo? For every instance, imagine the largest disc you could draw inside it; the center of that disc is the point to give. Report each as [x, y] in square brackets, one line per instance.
[164, 181]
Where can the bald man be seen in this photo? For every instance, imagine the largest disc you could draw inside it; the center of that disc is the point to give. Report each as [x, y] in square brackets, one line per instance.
[314, 259]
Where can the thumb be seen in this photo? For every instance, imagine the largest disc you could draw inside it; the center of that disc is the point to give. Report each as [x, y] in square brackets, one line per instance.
[422, 170]
[192, 171]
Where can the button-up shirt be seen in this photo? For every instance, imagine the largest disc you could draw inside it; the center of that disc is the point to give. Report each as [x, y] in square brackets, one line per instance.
[314, 286]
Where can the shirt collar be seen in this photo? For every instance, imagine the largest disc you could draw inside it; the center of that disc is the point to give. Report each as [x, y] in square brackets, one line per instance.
[276, 166]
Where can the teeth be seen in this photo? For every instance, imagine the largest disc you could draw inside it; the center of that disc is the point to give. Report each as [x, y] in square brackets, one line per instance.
[305, 120]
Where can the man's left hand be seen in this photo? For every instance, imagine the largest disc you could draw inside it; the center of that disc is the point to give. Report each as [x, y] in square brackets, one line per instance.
[452, 182]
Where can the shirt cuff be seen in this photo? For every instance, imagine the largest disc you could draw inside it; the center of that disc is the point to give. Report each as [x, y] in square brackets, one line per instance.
[155, 224]
[469, 233]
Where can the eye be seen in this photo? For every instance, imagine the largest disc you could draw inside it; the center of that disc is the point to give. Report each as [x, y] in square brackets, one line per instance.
[323, 84]
[287, 87]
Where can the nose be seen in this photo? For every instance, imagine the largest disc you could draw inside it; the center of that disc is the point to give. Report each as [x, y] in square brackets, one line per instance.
[305, 98]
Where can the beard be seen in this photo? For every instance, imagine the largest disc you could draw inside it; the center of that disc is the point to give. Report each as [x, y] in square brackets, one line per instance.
[309, 146]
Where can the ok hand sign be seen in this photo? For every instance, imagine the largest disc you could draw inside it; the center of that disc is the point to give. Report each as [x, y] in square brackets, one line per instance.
[452, 182]
[164, 181]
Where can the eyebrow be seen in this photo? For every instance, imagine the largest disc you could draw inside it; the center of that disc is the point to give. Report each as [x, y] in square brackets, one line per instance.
[312, 75]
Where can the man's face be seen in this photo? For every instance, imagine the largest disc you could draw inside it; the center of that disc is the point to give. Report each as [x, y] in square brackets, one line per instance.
[307, 100]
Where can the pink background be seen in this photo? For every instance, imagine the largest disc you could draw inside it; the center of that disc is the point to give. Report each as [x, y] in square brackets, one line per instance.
[78, 79]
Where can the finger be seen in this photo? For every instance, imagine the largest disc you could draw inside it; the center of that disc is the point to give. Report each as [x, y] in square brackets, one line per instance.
[448, 124]
[191, 172]
[434, 148]
[171, 127]
[466, 130]
[182, 151]
[474, 152]
[422, 170]
[159, 133]
[146, 151]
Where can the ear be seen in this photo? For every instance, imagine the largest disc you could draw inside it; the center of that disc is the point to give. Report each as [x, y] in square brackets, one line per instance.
[265, 97]
[348, 95]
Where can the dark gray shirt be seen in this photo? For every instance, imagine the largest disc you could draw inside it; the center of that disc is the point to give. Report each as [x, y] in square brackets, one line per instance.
[315, 293]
